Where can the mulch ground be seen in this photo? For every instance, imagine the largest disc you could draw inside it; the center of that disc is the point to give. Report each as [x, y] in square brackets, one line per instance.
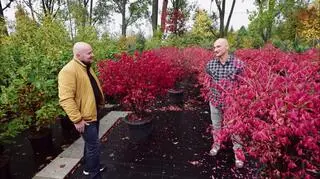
[177, 148]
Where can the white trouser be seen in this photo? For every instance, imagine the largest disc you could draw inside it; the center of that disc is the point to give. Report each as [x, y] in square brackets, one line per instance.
[216, 118]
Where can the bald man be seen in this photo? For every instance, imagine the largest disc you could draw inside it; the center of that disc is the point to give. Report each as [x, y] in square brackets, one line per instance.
[224, 67]
[81, 97]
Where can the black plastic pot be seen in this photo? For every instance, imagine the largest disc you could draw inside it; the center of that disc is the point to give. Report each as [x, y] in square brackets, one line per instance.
[68, 130]
[65, 123]
[111, 99]
[5, 167]
[41, 141]
[176, 96]
[140, 130]
[1, 149]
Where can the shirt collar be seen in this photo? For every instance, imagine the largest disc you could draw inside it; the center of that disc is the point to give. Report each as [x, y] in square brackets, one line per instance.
[229, 59]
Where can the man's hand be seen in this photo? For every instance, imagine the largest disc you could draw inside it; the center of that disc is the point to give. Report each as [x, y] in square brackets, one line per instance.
[81, 125]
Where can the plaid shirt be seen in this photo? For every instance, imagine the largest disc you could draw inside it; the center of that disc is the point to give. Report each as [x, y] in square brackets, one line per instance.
[222, 74]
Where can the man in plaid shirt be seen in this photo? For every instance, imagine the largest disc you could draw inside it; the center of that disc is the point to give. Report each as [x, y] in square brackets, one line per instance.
[223, 69]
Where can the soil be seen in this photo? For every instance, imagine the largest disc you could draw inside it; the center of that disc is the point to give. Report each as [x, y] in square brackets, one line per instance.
[25, 163]
[177, 148]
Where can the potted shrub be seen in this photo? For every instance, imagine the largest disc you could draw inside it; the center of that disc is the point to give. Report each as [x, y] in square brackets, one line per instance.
[137, 81]
[174, 57]
[37, 110]
[9, 128]
[275, 110]
[32, 96]
[190, 63]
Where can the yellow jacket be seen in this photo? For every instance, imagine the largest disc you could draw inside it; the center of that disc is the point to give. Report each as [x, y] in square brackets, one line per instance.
[76, 95]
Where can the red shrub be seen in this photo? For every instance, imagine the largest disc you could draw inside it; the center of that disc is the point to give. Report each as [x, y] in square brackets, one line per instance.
[137, 80]
[196, 59]
[275, 109]
[173, 56]
[176, 22]
[188, 61]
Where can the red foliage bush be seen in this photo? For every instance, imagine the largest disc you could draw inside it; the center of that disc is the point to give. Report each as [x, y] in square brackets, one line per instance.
[172, 56]
[137, 80]
[188, 61]
[196, 58]
[275, 110]
[176, 22]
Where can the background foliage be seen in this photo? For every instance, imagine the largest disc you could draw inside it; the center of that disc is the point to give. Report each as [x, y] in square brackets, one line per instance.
[38, 44]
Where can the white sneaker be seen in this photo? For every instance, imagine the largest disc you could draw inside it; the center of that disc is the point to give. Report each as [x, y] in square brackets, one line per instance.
[239, 163]
[214, 150]
[239, 157]
[87, 173]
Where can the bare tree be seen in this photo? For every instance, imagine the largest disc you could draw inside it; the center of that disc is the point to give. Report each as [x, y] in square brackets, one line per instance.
[90, 12]
[2, 21]
[51, 7]
[154, 15]
[221, 5]
[137, 9]
[30, 5]
[164, 14]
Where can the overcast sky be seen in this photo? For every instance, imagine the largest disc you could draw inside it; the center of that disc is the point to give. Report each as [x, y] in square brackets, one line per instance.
[239, 18]
[240, 15]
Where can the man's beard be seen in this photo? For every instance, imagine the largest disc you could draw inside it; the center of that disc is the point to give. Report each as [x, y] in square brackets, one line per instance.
[88, 64]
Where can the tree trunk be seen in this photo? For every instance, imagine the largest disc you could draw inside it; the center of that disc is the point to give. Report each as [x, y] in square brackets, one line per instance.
[90, 12]
[70, 20]
[154, 16]
[222, 10]
[44, 7]
[31, 9]
[85, 13]
[1, 11]
[221, 5]
[3, 27]
[229, 18]
[164, 15]
[124, 23]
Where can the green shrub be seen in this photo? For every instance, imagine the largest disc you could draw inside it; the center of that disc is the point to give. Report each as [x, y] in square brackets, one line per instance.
[287, 45]
[34, 54]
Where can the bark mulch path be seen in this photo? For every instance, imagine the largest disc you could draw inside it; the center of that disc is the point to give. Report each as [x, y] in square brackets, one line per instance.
[177, 148]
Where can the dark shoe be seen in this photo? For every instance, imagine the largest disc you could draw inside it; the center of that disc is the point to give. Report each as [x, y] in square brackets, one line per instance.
[102, 168]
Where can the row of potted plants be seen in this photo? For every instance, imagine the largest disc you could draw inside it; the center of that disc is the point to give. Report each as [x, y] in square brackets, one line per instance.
[138, 80]
[30, 104]
[30, 101]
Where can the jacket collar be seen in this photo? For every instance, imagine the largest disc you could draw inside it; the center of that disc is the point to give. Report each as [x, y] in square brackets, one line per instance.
[79, 62]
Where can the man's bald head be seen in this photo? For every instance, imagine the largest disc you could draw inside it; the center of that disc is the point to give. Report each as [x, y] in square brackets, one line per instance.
[221, 47]
[222, 42]
[83, 52]
[77, 47]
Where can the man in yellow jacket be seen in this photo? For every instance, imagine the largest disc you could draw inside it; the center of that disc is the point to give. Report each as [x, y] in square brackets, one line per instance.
[80, 95]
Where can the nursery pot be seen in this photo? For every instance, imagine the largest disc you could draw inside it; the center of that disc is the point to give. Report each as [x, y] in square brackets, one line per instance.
[176, 96]
[69, 132]
[66, 123]
[41, 141]
[1, 149]
[111, 99]
[140, 130]
[5, 166]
